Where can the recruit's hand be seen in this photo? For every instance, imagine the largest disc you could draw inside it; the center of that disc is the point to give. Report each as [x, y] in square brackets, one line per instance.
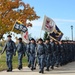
[1, 53]
[14, 54]
[24, 55]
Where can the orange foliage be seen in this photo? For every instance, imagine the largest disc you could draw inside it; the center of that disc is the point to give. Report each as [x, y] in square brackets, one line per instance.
[10, 12]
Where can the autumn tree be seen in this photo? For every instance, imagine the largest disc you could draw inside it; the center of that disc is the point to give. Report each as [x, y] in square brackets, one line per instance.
[10, 11]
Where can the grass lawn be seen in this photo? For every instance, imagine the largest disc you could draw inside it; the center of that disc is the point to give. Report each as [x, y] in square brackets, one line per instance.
[3, 65]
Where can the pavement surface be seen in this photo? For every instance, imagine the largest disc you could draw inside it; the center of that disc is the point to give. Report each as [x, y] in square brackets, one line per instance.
[68, 69]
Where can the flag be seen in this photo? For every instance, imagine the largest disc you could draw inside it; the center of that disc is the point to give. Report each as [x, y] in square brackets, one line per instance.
[57, 34]
[19, 26]
[25, 37]
[48, 25]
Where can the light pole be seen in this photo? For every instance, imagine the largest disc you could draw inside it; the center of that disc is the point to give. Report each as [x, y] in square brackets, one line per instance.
[72, 31]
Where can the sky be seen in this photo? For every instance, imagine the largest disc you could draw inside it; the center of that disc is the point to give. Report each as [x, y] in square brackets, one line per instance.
[61, 11]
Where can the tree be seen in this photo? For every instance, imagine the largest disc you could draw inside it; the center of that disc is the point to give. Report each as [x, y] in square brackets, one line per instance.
[46, 36]
[67, 38]
[10, 12]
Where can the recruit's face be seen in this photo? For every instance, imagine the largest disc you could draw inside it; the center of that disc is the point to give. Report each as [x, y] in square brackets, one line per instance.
[40, 42]
[56, 43]
[18, 40]
[51, 40]
[47, 41]
[9, 38]
[32, 41]
[60, 42]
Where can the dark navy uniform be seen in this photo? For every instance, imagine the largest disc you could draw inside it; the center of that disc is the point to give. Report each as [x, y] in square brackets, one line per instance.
[32, 53]
[48, 54]
[21, 51]
[10, 48]
[28, 55]
[53, 55]
[41, 55]
[57, 54]
[62, 55]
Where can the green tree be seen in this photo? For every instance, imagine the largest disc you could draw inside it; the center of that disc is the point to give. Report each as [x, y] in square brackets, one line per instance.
[45, 36]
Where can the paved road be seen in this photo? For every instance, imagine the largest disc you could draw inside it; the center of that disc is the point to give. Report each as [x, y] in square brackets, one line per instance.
[69, 69]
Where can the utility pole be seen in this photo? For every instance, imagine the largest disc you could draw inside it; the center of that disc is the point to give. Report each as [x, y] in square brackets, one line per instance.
[72, 32]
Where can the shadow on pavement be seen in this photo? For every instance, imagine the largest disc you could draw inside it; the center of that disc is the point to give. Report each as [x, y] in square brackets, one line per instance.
[55, 71]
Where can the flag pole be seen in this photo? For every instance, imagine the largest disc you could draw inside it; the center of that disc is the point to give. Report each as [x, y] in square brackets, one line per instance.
[48, 34]
[13, 27]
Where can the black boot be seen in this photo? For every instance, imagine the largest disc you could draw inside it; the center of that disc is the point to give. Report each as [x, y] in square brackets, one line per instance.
[42, 71]
[57, 65]
[32, 68]
[52, 67]
[39, 71]
[9, 70]
[47, 69]
[29, 65]
[20, 67]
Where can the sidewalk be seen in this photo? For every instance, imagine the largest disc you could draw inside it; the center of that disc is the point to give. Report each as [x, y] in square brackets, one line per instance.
[65, 70]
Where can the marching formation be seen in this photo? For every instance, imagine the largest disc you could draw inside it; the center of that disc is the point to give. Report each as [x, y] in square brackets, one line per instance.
[47, 54]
